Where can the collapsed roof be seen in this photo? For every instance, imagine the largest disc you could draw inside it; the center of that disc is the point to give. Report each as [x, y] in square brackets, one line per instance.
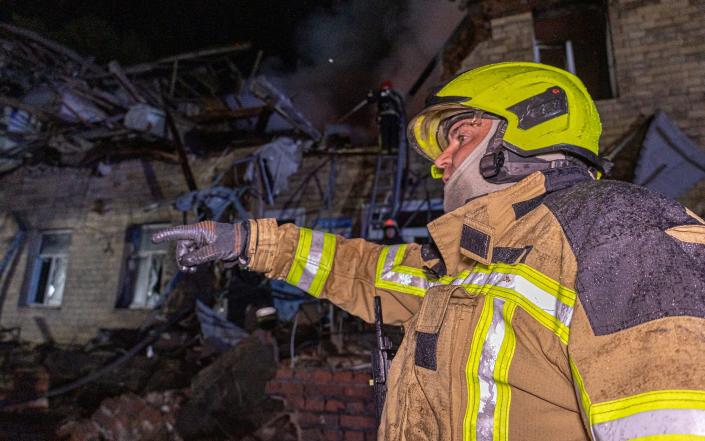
[61, 107]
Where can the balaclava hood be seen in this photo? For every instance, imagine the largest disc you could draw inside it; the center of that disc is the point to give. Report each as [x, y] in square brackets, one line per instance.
[466, 182]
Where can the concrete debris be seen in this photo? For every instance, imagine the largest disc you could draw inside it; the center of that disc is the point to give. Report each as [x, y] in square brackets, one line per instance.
[228, 397]
[129, 417]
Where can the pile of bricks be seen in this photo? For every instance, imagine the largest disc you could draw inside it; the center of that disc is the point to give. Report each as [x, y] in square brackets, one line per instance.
[330, 405]
[27, 383]
[129, 417]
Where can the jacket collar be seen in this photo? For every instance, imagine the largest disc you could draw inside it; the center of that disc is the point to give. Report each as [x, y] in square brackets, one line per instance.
[472, 230]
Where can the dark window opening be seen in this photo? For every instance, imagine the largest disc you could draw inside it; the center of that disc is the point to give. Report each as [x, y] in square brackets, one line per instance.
[142, 281]
[575, 37]
[46, 270]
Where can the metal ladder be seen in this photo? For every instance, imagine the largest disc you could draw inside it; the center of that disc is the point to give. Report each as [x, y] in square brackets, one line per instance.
[387, 195]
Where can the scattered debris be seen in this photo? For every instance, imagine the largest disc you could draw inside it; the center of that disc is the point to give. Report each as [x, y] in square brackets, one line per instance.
[55, 100]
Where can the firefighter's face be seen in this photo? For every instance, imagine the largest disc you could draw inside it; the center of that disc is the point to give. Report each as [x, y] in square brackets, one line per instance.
[463, 138]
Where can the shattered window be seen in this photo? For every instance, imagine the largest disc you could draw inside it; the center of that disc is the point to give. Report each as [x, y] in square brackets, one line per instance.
[576, 37]
[143, 279]
[48, 272]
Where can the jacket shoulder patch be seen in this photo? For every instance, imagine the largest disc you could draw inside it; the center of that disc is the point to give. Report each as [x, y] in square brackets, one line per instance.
[475, 242]
[630, 270]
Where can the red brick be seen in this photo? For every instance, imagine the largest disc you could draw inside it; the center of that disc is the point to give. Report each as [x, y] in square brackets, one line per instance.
[371, 435]
[315, 405]
[354, 436]
[312, 435]
[292, 389]
[323, 377]
[332, 435]
[284, 373]
[357, 422]
[358, 391]
[343, 377]
[334, 405]
[308, 419]
[304, 374]
[272, 388]
[356, 408]
[325, 390]
[362, 378]
[296, 403]
[330, 420]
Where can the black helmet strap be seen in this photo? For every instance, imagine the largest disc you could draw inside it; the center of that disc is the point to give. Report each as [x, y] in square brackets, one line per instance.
[500, 165]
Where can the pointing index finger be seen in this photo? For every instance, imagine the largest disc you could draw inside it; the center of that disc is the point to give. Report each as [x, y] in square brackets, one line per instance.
[179, 232]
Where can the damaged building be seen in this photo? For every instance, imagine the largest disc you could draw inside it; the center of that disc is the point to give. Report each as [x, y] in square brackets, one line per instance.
[95, 158]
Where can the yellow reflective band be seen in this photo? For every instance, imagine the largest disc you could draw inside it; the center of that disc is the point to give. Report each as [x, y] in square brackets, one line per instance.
[504, 393]
[562, 293]
[391, 275]
[580, 385]
[300, 259]
[646, 402]
[313, 261]
[324, 266]
[471, 369]
[546, 300]
[541, 316]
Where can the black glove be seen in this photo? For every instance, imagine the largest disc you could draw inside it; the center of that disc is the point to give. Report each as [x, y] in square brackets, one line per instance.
[205, 241]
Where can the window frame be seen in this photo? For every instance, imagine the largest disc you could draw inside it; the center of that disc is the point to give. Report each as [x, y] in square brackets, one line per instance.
[33, 269]
[133, 278]
[607, 87]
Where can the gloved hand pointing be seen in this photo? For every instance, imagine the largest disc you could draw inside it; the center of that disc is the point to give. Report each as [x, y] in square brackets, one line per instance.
[205, 241]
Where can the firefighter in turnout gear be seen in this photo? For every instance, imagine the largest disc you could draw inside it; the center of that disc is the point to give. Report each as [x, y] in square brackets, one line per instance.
[550, 304]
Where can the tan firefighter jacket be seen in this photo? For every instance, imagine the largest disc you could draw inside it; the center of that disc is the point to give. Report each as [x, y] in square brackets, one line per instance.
[560, 308]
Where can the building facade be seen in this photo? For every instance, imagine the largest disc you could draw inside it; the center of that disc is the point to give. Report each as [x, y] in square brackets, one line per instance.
[85, 263]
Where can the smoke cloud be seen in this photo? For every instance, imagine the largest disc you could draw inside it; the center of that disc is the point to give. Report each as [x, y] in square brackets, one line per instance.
[349, 49]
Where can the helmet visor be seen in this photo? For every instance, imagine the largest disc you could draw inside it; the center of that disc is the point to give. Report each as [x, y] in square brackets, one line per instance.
[427, 131]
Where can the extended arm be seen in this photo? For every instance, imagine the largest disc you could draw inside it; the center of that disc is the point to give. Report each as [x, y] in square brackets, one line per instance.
[348, 272]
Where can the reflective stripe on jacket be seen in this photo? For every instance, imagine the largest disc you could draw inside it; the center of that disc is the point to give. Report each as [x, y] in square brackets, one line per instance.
[560, 308]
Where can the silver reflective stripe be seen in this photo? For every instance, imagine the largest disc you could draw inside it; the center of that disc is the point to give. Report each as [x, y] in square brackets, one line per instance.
[564, 313]
[537, 296]
[488, 361]
[401, 278]
[653, 422]
[389, 260]
[405, 279]
[313, 261]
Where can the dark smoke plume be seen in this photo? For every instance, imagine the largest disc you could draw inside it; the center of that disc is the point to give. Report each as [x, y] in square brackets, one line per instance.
[352, 47]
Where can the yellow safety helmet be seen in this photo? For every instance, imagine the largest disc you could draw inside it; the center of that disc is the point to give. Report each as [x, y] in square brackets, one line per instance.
[546, 109]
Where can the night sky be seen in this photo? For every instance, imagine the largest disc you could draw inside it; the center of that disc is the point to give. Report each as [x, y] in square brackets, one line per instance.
[326, 54]
[133, 31]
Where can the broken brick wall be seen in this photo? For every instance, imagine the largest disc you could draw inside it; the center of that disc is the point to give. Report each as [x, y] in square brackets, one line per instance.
[99, 209]
[330, 405]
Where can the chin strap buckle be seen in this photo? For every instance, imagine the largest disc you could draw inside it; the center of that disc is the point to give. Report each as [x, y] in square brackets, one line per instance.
[491, 164]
